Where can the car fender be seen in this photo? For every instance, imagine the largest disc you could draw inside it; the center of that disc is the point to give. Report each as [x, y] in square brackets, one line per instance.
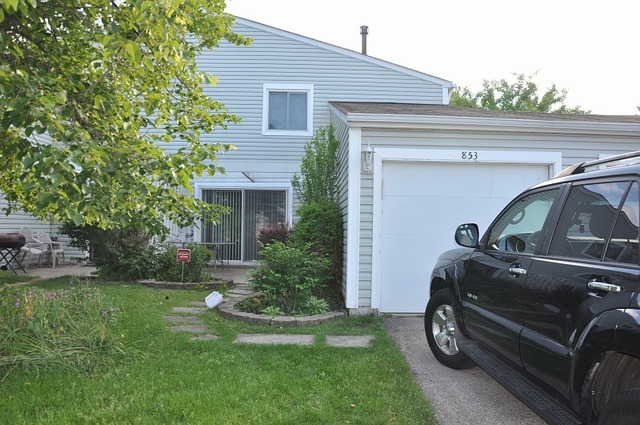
[611, 331]
[449, 272]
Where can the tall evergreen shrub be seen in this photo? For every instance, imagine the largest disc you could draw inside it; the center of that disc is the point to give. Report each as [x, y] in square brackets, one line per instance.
[320, 218]
[318, 176]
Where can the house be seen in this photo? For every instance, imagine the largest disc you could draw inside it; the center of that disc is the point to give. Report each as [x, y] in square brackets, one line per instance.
[411, 167]
[435, 167]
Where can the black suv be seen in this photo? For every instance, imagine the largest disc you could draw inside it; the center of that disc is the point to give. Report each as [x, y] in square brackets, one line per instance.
[547, 301]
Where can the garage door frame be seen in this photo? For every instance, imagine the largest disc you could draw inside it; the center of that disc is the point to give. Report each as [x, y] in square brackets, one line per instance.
[459, 156]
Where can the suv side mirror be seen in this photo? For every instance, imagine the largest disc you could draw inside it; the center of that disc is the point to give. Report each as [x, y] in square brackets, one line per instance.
[467, 235]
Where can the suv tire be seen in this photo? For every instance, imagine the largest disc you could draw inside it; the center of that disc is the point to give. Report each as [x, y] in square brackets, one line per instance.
[623, 410]
[440, 328]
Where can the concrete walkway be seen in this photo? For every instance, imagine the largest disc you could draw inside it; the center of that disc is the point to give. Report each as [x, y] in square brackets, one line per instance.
[236, 274]
[187, 319]
[69, 269]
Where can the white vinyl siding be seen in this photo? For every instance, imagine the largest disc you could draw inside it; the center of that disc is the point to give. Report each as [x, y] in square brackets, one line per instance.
[275, 59]
[13, 222]
[341, 133]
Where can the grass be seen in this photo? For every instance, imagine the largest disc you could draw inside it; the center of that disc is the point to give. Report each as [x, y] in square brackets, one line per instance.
[169, 379]
[7, 276]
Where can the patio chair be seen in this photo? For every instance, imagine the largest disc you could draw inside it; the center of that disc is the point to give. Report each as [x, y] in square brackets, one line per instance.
[51, 247]
[32, 247]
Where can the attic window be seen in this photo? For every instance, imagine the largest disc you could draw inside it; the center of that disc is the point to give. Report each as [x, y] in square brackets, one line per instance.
[287, 109]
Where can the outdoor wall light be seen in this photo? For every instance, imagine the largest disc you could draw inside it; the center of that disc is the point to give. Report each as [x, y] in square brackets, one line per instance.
[367, 160]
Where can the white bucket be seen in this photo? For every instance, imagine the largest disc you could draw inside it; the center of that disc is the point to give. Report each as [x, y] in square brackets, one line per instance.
[213, 299]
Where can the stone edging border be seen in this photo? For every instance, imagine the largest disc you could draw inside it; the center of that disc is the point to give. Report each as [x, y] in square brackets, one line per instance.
[228, 310]
[214, 285]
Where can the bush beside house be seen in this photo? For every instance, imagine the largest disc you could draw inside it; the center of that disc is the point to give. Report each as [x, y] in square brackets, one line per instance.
[301, 271]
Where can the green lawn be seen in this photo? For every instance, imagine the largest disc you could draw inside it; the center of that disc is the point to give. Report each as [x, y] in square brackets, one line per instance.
[168, 379]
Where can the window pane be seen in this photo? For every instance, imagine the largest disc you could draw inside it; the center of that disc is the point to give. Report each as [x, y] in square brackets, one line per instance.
[297, 111]
[277, 110]
[518, 229]
[623, 246]
[262, 208]
[229, 227]
[586, 220]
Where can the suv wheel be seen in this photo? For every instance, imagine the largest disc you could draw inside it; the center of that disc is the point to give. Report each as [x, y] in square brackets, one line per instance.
[622, 410]
[440, 328]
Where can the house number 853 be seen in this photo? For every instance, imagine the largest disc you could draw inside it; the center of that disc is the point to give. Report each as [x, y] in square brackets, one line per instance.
[469, 155]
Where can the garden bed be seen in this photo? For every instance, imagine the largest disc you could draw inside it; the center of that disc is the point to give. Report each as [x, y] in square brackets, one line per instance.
[214, 285]
[229, 309]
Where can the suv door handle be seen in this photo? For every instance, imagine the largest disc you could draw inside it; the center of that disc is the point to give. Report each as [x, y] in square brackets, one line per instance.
[603, 286]
[517, 270]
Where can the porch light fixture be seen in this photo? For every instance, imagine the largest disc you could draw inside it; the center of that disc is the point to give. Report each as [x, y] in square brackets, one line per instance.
[367, 160]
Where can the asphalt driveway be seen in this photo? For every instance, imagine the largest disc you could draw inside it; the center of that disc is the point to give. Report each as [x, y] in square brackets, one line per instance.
[457, 397]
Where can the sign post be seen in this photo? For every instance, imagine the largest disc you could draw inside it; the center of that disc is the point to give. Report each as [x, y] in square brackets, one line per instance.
[183, 256]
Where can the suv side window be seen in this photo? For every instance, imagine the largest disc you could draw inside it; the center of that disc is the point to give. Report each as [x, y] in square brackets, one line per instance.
[623, 246]
[587, 219]
[519, 227]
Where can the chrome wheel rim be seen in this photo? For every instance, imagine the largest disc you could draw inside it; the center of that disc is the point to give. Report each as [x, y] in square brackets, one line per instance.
[443, 327]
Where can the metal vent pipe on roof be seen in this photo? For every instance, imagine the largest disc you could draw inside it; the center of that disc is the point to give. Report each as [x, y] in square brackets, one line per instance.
[364, 30]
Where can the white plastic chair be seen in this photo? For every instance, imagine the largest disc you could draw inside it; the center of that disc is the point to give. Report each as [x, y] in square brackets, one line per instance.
[32, 247]
[51, 247]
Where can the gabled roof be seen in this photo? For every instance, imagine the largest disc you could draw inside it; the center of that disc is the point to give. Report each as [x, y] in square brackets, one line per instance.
[344, 52]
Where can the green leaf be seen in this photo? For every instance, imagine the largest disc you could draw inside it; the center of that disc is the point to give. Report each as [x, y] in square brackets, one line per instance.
[77, 218]
[10, 5]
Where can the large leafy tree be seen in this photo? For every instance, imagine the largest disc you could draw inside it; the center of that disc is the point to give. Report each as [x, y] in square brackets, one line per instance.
[519, 95]
[92, 95]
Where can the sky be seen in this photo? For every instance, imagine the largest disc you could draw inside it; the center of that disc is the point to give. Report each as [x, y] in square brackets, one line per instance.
[589, 47]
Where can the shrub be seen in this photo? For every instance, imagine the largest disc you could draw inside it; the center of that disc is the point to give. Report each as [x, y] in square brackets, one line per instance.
[319, 169]
[280, 232]
[70, 328]
[170, 270]
[320, 226]
[119, 254]
[126, 254]
[87, 238]
[252, 304]
[288, 275]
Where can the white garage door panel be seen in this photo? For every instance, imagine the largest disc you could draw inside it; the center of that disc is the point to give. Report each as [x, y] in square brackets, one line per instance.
[411, 282]
[422, 203]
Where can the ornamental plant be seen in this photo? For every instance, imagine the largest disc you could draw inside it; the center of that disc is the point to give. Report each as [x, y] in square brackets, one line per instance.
[289, 275]
[72, 328]
[168, 269]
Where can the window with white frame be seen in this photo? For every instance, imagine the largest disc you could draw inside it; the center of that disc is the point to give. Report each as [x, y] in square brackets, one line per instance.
[287, 109]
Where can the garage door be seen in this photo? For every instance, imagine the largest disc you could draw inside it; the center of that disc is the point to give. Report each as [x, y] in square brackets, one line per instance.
[422, 204]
